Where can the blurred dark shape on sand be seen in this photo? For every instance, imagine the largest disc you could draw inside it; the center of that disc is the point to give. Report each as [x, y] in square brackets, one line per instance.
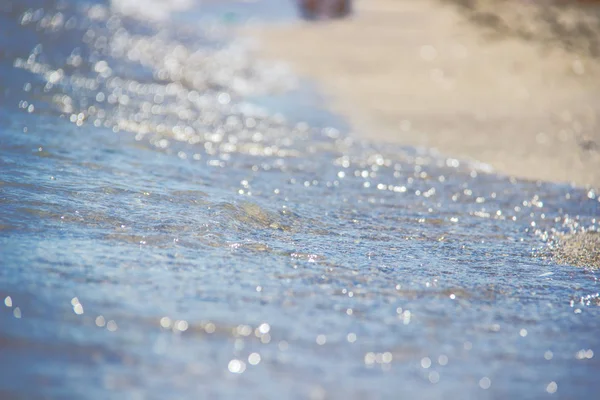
[324, 9]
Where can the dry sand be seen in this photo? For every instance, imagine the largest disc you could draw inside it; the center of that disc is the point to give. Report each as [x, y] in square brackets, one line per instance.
[419, 72]
[510, 83]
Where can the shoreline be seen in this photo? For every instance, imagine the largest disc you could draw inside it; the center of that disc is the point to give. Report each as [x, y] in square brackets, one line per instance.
[433, 74]
[421, 74]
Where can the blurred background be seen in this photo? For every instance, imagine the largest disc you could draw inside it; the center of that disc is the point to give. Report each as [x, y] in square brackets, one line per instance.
[511, 83]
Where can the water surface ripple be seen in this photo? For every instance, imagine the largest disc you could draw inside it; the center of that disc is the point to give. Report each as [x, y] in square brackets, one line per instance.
[172, 224]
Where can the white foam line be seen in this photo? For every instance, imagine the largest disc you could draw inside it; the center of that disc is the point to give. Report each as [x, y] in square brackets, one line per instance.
[156, 10]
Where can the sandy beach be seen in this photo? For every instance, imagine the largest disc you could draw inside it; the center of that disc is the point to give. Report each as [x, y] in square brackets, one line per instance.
[422, 73]
[514, 85]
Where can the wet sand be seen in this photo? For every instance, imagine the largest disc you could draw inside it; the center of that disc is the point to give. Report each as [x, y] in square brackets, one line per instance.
[511, 84]
[581, 249]
[421, 73]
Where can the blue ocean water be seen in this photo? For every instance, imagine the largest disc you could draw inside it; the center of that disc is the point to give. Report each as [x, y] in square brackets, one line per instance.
[181, 220]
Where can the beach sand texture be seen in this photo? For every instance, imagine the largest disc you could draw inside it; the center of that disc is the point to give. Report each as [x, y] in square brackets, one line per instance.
[501, 91]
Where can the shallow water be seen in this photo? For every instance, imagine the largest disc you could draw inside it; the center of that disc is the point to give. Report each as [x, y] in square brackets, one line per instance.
[178, 219]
